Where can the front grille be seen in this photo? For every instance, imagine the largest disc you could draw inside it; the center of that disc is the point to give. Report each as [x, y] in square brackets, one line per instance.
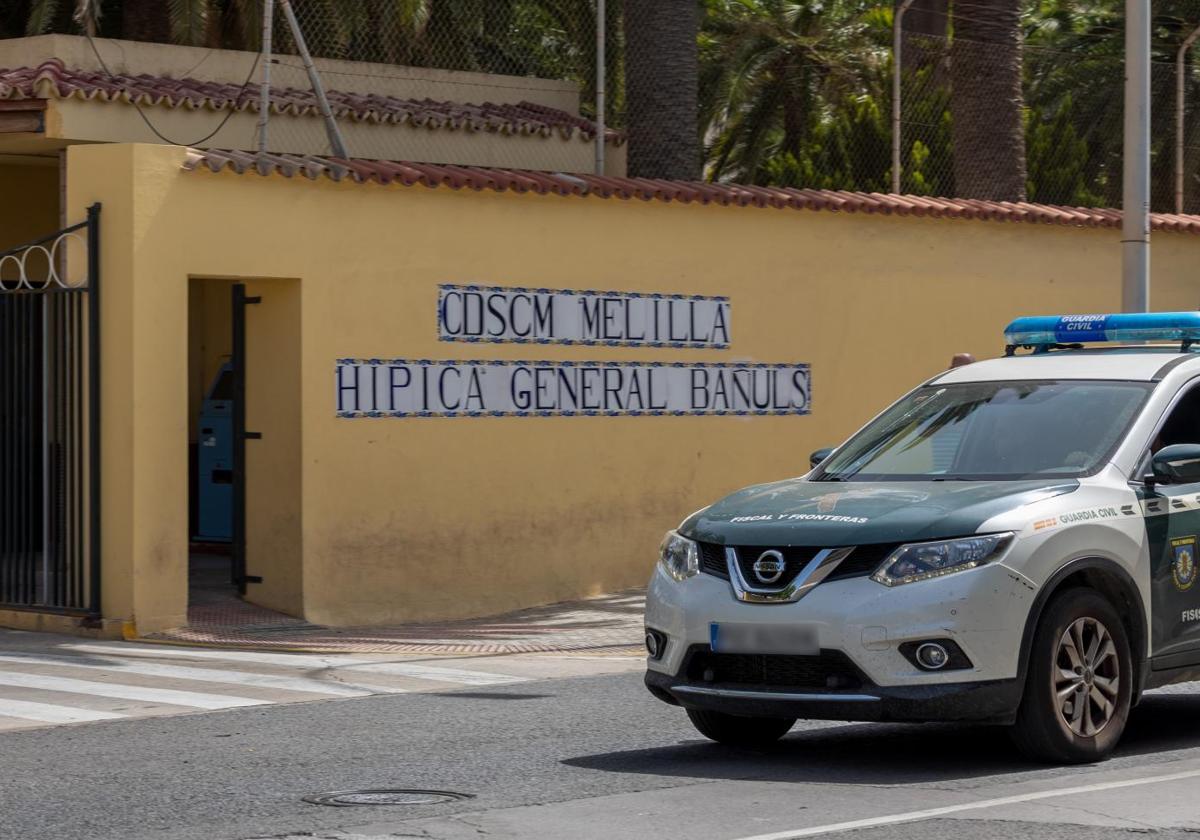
[712, 560]
[795, 558]
[829, 669]
[863, 561]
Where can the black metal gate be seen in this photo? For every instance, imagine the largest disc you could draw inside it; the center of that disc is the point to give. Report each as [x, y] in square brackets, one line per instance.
[50, 422]
[238, 362]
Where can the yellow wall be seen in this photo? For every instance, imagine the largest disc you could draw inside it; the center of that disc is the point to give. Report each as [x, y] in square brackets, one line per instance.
[28, 202]
[78, 120]
[175, 61]
[416, 519]
[85, 121]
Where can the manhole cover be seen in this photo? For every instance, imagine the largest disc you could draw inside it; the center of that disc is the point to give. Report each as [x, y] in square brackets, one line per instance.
[385, 796]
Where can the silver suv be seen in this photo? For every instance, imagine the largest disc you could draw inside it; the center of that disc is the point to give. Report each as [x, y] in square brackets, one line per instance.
[1013, 542]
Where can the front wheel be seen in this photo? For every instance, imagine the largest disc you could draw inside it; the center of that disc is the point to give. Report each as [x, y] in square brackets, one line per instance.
[1080, 680]
[737, 731]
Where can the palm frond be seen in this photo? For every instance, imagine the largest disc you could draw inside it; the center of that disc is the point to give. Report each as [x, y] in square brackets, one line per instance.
[189, 21]
[41, 16]
[410, 16]
[247, 22]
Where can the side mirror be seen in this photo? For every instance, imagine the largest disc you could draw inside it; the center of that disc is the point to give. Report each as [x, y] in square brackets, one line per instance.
[815, 459]
[1177, 464]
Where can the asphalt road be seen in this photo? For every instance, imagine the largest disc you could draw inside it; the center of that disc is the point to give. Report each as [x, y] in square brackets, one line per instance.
[580, 757]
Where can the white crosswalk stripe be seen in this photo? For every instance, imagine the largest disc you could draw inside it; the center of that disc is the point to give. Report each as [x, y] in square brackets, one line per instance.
[60, 683]
[47, 713]
[147, 669]
[432, 672]
[174, 697]
[289, 660]
[357, 665]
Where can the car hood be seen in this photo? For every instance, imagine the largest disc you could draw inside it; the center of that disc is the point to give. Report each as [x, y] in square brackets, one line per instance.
[808, 513]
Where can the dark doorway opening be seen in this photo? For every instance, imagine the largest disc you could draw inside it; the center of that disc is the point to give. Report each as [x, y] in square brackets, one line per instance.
[211, 589]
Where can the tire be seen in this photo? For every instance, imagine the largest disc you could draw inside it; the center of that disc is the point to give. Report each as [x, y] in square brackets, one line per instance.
[1071, 711]
[737, 731]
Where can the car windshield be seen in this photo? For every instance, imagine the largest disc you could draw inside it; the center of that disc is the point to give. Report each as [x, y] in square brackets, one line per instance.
[991, 431]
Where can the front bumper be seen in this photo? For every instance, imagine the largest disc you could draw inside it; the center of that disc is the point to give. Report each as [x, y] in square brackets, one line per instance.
[989, 701]
[983, 611]
[864, 624]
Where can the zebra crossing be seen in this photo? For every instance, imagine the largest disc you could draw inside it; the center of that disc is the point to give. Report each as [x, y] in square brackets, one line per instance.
[45, 681]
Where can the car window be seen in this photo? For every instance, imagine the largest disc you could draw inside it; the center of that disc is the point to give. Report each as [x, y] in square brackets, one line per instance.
[1182, 425]
[992, 430]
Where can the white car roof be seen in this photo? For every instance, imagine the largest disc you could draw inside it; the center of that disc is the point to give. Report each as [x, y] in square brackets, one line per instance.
[1141, 364]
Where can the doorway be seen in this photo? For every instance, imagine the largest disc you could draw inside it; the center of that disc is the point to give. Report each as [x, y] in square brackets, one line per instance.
[244, 444]
[210, 414]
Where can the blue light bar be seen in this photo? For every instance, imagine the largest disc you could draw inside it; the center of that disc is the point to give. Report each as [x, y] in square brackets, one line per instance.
[1130, 326]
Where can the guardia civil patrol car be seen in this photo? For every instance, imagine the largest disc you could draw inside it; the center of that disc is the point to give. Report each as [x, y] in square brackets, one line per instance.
[1013, 542]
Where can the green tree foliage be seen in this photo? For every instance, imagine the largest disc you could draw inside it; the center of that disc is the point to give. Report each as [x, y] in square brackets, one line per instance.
[792, 92]
[1074, 72]
[786, 87]
[838, 71]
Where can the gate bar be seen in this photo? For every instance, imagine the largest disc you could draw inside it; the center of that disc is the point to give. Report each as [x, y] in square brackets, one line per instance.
[93, 275]
[51, 237]
[240, 436]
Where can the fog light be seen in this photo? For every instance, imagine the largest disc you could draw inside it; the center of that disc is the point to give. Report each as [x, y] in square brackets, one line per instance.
[656, 643]
[932, 656]
[936, 655]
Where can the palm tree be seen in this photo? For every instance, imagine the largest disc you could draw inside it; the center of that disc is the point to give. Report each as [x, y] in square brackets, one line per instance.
[986, 100]
[661, 78]
[214, 23]
[784, 83]
[150, 20]
[926, 24]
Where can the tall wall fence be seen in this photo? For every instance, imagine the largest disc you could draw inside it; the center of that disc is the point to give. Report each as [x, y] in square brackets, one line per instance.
[777, 92]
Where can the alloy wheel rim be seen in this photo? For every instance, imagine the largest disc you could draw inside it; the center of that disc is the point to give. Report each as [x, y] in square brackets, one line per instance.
[1087, 677]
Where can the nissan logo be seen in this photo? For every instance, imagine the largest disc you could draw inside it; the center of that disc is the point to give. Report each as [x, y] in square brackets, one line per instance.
[769, 566]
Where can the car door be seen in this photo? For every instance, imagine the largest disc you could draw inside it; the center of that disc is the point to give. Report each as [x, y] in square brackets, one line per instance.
[1172, 514]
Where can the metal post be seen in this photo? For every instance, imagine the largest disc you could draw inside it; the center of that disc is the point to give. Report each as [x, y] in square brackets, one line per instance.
[240, 301]
[897, 38]
[1180, 89]
[43, 301]
[1135, 205]
[601, 81]
[238, 561]
[93, 293]
[336, 143]
[264, 94]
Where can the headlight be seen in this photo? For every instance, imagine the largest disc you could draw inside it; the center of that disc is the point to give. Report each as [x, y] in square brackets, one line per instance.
[921, 561]
[679, 556]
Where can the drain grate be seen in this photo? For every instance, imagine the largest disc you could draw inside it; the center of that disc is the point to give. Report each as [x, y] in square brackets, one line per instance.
[385, 796]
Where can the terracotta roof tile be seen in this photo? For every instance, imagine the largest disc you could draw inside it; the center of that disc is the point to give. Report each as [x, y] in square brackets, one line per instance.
[52, 80]
[570, 184]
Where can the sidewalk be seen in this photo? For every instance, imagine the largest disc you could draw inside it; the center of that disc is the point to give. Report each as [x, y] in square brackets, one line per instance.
[605, 625]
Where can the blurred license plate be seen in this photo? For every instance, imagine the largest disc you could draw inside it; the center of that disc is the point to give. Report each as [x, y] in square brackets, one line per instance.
[764, 638]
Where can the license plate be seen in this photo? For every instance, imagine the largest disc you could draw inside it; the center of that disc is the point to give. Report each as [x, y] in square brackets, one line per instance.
[799, 639]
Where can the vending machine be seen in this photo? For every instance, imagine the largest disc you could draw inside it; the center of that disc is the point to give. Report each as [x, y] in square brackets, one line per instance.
[214, 480]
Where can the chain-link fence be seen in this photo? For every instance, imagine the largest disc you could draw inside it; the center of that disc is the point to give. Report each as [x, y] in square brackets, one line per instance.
[801, 100]
[750, 91]
[1068, 123]
[479, 82]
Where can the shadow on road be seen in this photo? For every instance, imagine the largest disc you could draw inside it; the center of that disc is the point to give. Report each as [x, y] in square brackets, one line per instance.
[892, 754]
